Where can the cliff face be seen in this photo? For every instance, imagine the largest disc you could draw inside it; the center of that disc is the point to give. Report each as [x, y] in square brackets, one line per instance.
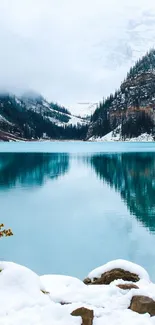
[132, 106]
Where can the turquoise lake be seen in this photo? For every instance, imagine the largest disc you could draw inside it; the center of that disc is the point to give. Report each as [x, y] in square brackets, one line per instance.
[73, 206]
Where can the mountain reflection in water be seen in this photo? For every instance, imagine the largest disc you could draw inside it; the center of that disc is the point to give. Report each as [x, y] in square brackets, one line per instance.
[133, 176]
[31, 169]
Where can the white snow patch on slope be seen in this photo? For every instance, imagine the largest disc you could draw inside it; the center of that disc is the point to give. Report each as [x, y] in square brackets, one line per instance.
[83, 110]
[22, 301]
[74, 120]
[18, 101]
[111, 136]
[115, 135]
[53, 120]
[3, 119]
[145, 137]
[45, 104]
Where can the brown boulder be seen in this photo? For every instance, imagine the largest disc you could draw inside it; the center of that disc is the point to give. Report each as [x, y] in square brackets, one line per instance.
[86, 314]
[110, 276]
[127, 286]
[143, 305]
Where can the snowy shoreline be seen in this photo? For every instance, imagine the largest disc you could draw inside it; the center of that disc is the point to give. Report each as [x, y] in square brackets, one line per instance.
[26, 298]
[93, 139]
[115, 136]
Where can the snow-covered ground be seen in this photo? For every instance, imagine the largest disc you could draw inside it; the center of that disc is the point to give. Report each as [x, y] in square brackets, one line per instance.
[115, 135]
[145, 137]
[73, 120]
[27, 299]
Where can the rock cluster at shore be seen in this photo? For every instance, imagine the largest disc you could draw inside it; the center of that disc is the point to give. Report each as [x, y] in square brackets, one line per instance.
[116, 293]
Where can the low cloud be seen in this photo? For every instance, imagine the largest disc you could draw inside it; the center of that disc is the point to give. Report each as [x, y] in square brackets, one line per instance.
[72, 51]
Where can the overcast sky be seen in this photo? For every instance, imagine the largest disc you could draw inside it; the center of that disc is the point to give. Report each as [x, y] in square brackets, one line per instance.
[72, 50]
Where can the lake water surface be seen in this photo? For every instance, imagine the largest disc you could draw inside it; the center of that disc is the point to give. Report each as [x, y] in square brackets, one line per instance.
[74, 206]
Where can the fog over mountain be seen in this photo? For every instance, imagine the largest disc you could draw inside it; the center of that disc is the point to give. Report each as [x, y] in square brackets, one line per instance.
[72, 51]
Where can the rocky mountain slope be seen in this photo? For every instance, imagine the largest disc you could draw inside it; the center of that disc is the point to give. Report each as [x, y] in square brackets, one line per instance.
[31, 117]
[131, 110]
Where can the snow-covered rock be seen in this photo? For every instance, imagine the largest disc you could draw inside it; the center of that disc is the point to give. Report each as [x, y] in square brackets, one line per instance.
[118, 269]
[24, 298]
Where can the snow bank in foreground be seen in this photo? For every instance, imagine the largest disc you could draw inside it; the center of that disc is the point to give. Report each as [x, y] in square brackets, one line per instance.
[122, 264]
[23, 302]
[19, 287]
[62, 288]
[61, 282]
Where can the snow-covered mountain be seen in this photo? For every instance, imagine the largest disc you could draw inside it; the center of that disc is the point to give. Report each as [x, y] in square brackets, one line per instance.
[31, 116]
[111, 48]
[55, 113]
[130, 111]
